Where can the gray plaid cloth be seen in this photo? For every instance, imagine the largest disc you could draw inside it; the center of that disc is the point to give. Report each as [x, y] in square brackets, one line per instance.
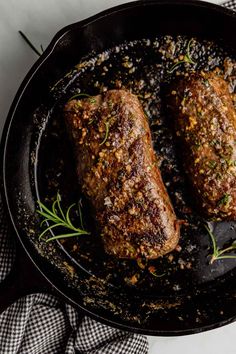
[230, 4]
[42, 324]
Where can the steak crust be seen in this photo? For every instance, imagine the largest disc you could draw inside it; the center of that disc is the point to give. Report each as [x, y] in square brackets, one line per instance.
[117, 169]
[205, 124]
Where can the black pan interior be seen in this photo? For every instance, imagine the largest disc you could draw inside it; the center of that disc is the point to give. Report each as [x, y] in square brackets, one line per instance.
[39, 162]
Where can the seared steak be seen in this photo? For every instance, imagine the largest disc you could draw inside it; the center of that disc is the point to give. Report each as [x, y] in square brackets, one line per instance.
[117, 169]
[205, 123]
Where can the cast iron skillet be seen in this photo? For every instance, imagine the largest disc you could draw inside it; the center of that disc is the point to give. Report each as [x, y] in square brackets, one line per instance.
[156, 312]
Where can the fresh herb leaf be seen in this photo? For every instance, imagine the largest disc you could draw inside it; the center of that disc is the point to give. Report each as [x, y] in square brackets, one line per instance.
[92, 100]
[56, 217]
[212, 164]
[90, 121]
[152, 270]
[175, 66]
[197, 145]
[224, 200]
[157, 275]
[110, 104]
[79, 95]
[187, 58]
[107, 126]
[217, 252]
[206, 82]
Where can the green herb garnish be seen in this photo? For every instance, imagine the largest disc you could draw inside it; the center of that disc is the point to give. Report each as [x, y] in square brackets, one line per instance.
[219, 253]
[197, 145]
[214, 142]
[92, 100]
[187, 58]
[79, 95]
[26, 39]
[212, 164]
[110, 104]
[57, 218]
[90, 121]
[60, 80]
[106, 133]
[157, 275]
[224, 200]
[152, 271]
[206, 82]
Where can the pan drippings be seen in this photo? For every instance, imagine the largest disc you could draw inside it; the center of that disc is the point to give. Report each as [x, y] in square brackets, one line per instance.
[145, 67]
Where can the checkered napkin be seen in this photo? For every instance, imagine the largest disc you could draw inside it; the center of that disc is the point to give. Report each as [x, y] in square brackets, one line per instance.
[42, 324]
[230, 4]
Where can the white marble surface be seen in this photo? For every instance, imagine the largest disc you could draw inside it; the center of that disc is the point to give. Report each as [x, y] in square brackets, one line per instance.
[41, 19]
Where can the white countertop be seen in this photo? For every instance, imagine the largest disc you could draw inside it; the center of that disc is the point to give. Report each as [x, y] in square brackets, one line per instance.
[40, 20]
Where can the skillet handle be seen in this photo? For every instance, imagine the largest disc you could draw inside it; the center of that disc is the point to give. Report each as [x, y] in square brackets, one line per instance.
[23, 279]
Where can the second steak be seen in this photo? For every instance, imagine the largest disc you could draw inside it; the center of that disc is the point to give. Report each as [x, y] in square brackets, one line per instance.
[205, 124]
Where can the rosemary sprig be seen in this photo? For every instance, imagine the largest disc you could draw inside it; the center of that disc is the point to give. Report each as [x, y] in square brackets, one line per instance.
[107, 126]
[187, 58]
[56, 217]
[26, 39]
[85, 95]
[80, 95]
[217, 252]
